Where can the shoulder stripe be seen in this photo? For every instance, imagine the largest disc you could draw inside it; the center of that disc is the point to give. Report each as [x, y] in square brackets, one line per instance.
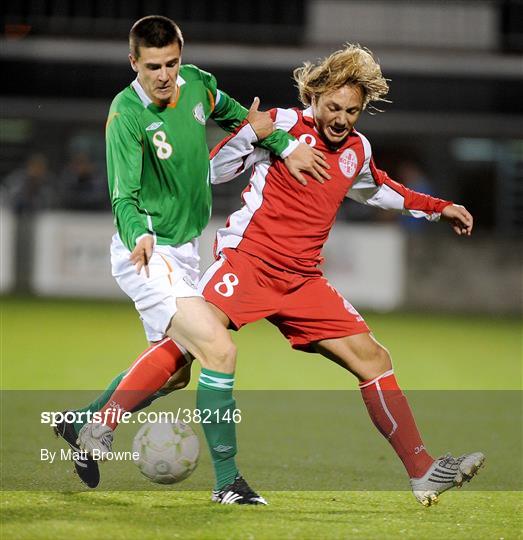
[286, 119]
[366, 145]
[367, 151]
[211, 100]
[110, 118]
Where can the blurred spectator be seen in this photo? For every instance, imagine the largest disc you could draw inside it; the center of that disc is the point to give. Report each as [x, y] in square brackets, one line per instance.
[27, 191]
[411, 175]
[83, 186]
[32, 187]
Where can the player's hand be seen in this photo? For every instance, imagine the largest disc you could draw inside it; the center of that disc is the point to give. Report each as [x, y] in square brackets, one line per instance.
[261, 122]
[460, 219]
[142, 253]
[308, 160]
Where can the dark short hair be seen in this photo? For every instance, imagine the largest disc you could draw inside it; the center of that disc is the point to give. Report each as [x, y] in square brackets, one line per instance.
[154, 31]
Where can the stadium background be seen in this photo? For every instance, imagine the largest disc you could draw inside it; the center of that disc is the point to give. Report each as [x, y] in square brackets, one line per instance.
[448, 308]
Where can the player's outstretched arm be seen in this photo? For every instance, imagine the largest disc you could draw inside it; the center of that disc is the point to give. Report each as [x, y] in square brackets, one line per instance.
[460, 219]
[374, 187]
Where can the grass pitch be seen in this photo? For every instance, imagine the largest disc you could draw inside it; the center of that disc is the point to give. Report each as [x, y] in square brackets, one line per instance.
[67, 345]
[290, 515]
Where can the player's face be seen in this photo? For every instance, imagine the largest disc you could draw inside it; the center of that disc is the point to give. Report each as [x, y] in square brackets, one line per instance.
[157, 71]
[336, 113]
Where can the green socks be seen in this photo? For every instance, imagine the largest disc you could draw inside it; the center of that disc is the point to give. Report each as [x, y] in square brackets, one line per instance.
[216, 405]
[102, 399]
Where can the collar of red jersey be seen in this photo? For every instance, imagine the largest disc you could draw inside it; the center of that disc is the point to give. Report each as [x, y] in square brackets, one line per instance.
[308, 115]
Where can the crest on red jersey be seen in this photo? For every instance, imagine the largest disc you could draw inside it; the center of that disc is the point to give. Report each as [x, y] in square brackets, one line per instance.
[348, 162]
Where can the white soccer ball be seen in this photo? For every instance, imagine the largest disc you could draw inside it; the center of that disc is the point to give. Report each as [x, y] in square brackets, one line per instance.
[168, 452]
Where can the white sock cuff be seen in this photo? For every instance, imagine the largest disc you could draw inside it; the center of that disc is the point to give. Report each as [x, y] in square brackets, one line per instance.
[376, 379]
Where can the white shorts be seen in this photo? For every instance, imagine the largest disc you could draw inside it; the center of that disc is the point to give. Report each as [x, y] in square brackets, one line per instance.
[174, 272]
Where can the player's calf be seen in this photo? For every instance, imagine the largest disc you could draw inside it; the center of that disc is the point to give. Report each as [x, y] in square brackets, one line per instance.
[178, 380]
[209, 340]
[149, 373]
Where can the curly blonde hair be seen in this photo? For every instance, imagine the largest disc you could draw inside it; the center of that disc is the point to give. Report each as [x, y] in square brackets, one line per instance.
[352, 65]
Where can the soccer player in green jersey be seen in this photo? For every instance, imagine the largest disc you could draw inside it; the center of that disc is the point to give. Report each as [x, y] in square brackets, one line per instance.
[159, 180]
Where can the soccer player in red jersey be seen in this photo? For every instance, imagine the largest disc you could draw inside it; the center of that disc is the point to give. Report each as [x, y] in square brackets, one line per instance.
[268, 254]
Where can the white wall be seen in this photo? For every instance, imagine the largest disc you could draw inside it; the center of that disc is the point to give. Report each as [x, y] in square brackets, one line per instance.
[374, 266]
[7, 249]
[72, 255]
[365, 262]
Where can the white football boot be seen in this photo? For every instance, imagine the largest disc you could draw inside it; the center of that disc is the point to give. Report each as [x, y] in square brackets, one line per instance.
[445, 473]
[96, 440]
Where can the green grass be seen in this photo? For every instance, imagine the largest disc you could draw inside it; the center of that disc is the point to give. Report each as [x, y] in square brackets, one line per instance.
[54, 341]
[70, 345]
[303, 515]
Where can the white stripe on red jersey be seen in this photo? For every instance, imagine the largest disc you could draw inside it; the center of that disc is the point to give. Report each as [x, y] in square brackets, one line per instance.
[285, 223]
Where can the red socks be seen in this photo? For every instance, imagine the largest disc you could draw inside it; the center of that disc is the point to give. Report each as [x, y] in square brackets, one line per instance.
[151, 370]
[391, 414]
[386, 404]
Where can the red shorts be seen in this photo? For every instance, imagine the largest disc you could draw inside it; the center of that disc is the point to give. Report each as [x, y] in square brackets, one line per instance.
[306, 309]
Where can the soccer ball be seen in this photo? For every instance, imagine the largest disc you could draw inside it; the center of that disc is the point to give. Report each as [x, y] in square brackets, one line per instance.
[168, 452]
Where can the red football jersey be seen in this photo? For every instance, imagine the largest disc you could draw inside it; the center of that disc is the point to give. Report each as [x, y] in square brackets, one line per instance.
[285, 223]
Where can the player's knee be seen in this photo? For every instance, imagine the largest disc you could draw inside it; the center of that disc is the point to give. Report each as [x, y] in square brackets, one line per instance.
[226, 356]
[222, 357]
[374, 360]
[380, 359]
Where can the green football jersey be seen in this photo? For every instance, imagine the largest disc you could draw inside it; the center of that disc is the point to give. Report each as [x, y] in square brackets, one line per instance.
[158, 159]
